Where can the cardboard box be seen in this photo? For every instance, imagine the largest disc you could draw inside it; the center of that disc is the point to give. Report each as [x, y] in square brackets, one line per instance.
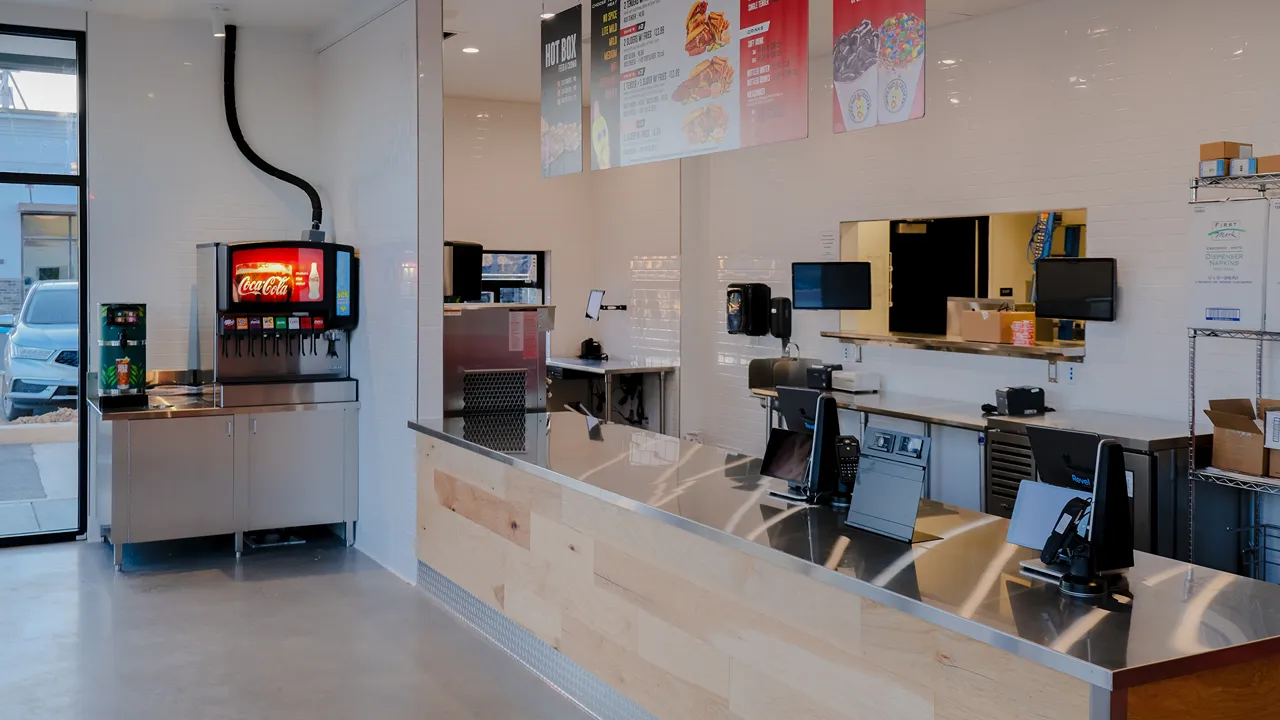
[1238, 437]
[990, 326]
[1225, 151]
[1270, 411]
[1214, 168]
[1247, 166]
[1227, 264]
[1271, 321]
[1268, 164]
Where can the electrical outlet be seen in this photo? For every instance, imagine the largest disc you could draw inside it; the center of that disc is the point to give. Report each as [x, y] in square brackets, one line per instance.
[1072, 374]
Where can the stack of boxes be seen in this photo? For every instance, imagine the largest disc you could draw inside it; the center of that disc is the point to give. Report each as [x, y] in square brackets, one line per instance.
[1220, 159]
[1234, 284]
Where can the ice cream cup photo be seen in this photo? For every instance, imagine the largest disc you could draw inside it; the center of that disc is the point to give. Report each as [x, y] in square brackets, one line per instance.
[898, 88]
[901, 62]
[858, 100]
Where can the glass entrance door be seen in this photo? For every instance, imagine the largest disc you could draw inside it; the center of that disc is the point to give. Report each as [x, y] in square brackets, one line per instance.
[43, 469]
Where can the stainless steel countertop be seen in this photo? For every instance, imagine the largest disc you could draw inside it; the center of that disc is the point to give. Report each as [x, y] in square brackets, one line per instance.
[1135, 432]
[616, 365]
[950, 413]
[1180, 618]
[188, 406]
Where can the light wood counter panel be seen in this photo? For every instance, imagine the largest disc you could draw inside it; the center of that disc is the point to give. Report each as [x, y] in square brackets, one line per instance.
[689, 628]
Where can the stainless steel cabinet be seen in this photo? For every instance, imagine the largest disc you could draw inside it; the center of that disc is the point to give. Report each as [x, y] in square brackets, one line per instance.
[297, 464]
[181, 480]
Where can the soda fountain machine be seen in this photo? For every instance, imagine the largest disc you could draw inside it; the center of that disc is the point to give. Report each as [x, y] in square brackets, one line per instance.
[276, 320]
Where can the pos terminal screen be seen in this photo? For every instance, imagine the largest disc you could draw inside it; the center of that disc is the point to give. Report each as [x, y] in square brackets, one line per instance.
[594, 301]
[787, 457]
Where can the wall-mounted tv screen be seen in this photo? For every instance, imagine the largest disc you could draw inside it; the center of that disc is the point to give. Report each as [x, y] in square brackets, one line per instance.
[1076, 289]
[831, 286]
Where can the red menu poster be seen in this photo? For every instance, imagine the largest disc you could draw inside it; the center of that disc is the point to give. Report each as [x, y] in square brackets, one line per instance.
[775, 71]
[697, 76]
[878, 62]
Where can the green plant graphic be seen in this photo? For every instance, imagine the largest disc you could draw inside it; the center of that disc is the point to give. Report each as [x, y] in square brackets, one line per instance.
[137, 376]
[109, 376]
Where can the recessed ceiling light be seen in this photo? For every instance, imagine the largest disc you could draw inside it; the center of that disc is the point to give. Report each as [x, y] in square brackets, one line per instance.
[470, 50]
[547, 15]
[948, 62]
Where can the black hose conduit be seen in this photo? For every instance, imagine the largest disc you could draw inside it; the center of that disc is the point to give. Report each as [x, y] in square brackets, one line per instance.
[233, 123]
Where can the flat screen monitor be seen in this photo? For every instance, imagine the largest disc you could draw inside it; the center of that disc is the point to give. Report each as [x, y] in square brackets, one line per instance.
[831, 286]
[1076, 289]
[594, 301]
[787, 456]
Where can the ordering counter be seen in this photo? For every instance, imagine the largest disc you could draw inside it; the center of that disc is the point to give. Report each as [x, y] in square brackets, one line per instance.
[650, 576]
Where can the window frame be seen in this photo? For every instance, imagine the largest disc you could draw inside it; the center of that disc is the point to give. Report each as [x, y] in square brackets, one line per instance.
[79, 180]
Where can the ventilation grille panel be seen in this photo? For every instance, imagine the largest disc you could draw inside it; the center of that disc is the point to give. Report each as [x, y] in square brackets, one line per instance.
[494, 391]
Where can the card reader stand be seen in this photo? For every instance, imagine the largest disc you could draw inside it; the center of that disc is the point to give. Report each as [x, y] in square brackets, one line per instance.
[1090, 542]
[890, 483]
[820, 479]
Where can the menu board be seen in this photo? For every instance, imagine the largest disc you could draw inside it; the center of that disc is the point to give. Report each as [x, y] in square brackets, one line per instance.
[675, 78]
[878, 59]
[605, 107]
[562, 93]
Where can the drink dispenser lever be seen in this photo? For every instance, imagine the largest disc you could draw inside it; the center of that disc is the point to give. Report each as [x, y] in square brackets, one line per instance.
[332, 337]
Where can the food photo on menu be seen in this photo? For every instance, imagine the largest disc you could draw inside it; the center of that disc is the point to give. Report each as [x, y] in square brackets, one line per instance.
[706, 124]
[705, 31]
[559, 139]
[708, 79]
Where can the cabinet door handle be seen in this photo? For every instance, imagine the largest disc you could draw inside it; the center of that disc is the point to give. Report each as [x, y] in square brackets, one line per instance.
[228, 428]
[254, 423]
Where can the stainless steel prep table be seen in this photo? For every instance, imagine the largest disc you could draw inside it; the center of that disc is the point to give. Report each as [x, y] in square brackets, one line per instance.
[659, 366]
[1181, 618]
[930, 411]
[185, 466]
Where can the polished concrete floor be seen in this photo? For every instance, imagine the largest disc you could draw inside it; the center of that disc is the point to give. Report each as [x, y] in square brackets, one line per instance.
[282, 634]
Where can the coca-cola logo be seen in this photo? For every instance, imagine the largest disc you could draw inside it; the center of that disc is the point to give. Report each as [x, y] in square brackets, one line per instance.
[272, 286]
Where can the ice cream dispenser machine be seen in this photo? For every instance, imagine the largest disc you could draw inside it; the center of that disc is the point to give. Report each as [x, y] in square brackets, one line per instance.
[276, 311]
[122, 377]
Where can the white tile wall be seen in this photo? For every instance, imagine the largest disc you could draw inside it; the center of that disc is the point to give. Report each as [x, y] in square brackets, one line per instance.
[495, 195]
[164, 174]
[618, 230]
[1099, 104]
[635, 227]
[370, 136]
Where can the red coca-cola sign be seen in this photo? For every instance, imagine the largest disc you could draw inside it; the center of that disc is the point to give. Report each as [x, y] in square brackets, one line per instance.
[264, 282]
[277, 275]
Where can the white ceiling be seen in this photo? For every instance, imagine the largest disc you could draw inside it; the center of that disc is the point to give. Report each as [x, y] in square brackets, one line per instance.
[309, 15]
[506, 32]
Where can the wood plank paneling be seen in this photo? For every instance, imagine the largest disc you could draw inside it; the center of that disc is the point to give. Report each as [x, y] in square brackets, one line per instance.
[689, 628]
[655, 689]
[483, 508]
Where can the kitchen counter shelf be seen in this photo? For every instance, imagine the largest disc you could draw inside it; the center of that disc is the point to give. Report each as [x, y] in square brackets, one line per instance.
[1261, 183]
[1240, 481]
[1051, 352]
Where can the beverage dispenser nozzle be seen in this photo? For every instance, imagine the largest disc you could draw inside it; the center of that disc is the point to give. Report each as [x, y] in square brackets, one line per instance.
[228, 328]
[332, 337]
